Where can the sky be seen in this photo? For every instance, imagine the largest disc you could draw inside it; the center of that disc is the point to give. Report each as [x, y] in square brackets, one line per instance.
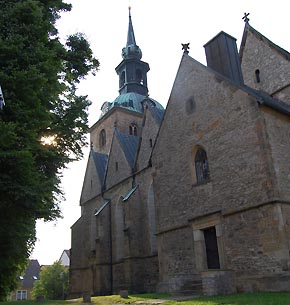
[160, 27]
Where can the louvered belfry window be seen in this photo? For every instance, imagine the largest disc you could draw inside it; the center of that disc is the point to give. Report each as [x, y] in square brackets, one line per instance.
[201, 166]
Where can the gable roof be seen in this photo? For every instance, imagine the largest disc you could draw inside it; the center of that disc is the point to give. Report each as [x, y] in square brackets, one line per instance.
[272, 45]
[67, 252]
[129, 145]
[100, 161]
[267, 100]
[31, 274]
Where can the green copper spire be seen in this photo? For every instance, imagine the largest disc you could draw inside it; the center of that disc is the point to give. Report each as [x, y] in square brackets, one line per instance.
[132, 70]
[131, 37]
[131, 50]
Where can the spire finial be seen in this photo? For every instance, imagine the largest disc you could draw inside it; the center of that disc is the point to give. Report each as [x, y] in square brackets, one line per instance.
[129, 8]
[245, 18]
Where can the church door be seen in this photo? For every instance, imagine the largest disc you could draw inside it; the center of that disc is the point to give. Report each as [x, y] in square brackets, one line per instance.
[212, 254]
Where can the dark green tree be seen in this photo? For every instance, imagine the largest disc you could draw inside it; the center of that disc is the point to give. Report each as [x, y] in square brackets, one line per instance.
[53, 283]
[42, 125]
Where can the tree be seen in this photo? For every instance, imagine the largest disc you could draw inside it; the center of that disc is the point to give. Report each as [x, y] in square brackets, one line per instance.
[42, 125]
[53, 283]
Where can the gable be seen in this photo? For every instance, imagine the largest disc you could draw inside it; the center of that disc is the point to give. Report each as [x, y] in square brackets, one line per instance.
[31, 274]
[121, 158]
[261, 56]
[93, 181]
[151, 123]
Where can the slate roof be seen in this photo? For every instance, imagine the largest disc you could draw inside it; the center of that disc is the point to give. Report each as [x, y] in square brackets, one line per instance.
[31, 274]
[129, 144]
[157, 114]
[265, 99]
[100, 161]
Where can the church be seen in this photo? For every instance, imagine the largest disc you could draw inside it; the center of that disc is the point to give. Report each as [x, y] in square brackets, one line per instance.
[194, 199]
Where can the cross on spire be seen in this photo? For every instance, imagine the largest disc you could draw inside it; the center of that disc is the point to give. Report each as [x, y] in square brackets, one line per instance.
[245, 18]
[185, 48]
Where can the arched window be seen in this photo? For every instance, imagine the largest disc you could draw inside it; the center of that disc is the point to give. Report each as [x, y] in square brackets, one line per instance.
[201, 166]
[133, 130]
[122, 79]
[139, 76]
[257, 73]
[102, 139]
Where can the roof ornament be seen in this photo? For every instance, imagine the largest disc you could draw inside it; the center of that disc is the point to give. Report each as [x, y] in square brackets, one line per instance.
[185, 48]
[245, 18]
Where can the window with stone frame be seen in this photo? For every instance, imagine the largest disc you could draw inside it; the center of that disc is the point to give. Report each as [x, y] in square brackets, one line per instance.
[201, 166]
[133, 129]
[102, 139]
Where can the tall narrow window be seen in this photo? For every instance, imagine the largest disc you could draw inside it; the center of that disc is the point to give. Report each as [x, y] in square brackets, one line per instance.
[133, 130]
[257, 73]
[122, 79]
[102, 138]
[139, 76]
[201, 166]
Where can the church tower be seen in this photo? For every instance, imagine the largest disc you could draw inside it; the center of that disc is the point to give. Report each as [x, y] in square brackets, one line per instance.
[114, 246]
[133, 95]
[132, 71]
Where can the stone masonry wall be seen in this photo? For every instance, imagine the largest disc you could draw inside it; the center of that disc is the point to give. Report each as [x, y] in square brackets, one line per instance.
[134, 267]
[118, 167]
[255, 241]
[91, 185]
[225, 121]
[274, 68]
[176, 261]
[206, 110]
[119, 118]
[278, 133]
[149, 133]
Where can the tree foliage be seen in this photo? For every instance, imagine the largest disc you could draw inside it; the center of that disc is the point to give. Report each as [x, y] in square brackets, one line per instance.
[39, 77]
[53, 283]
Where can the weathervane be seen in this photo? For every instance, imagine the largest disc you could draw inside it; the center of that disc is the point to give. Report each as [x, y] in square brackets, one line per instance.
[245, 18]
[129, 7]
[185, 48]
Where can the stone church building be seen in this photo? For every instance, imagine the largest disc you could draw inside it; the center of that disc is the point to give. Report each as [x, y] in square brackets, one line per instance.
[194, 199]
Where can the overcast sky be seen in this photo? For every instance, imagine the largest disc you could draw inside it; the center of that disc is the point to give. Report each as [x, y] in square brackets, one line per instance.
[160, 27]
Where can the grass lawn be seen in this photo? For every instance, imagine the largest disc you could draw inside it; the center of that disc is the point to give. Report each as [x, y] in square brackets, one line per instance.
[265, 298]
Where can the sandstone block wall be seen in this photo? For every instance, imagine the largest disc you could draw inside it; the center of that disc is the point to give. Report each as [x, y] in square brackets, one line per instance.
[119, 118]
[274, 67]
